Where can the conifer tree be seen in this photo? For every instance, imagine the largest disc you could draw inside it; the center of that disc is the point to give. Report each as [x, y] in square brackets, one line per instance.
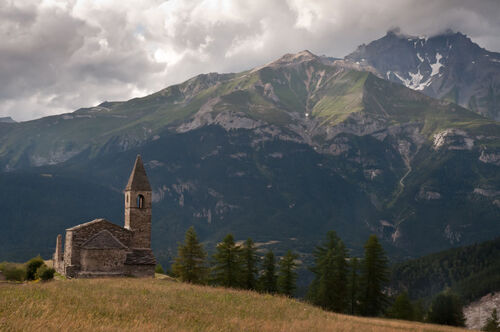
[287, 275]
[190, 265]
[249, 258]
[332, 291]
[341, 291]
[402, 308]
[446, 309]
[374, 275]
[492, 324]
[268, 279]
[319, 255]
[325, 296]
[227, 270]
[353, 286]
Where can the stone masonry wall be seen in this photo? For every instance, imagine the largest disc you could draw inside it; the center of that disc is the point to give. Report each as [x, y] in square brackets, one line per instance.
[138, 219]
[102, 260]
[78, 235]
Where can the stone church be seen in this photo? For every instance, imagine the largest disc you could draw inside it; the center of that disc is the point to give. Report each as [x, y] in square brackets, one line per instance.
[100, 248]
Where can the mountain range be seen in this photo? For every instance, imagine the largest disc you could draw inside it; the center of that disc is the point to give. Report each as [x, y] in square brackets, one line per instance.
[448, 66]
[281, 153]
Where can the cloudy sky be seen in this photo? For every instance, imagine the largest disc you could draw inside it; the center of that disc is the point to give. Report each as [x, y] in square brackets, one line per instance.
[57, 56]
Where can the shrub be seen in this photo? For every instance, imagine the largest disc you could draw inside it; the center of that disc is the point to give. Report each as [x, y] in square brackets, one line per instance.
[446, 309]
[13, 272]
[31, 266]
[159, 269]
[45, 273]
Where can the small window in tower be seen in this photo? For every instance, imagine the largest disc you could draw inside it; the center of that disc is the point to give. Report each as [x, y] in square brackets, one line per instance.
[140, 201]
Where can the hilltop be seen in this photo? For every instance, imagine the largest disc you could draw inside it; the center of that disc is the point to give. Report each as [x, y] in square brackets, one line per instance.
[145, 304]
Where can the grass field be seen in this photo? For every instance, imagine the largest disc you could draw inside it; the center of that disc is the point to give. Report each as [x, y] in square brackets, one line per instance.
[129, 304]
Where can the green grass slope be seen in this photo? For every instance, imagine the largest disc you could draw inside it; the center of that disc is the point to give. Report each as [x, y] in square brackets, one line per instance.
[160, 305]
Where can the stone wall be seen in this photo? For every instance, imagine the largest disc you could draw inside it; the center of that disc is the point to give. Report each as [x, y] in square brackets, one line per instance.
[138, 219]
[102, 260]
[140, 271]
[76, 236]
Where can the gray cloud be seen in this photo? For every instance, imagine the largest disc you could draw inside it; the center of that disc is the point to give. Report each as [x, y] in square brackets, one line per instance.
[57, 56]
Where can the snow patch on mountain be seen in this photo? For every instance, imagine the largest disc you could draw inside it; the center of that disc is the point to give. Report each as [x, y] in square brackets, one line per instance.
[415, 81]
[436, 66]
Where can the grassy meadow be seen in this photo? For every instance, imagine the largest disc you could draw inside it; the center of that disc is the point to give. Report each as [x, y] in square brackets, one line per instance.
[128, 304]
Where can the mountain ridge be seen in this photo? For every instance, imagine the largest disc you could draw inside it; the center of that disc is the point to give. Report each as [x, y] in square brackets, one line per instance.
[296, 147]
[447, 66]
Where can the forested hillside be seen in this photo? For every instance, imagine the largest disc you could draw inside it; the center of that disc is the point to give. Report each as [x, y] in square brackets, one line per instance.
[471, 272]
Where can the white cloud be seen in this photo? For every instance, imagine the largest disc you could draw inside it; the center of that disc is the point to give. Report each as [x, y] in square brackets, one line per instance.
[57, 56]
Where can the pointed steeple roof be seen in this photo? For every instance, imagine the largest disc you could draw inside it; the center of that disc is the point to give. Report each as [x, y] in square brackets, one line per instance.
[138, 180]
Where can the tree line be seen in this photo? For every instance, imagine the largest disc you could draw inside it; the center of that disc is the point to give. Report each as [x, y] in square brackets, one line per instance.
[343, 284]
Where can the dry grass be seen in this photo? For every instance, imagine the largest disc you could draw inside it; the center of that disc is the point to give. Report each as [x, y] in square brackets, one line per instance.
[163, 305]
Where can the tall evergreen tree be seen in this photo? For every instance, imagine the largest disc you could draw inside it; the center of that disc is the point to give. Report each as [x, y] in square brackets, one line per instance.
[287, 275]
[332, 293]
[353, 286]
[319, 255]
[374, 275]
[249, 258]
[228, 266]
[329, 287]
[268, 279]
[341, 290]
[325, 296]
[190, 265]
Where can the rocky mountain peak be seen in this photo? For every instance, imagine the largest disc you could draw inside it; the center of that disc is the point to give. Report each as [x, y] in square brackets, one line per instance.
[448, 66]
[294, 59]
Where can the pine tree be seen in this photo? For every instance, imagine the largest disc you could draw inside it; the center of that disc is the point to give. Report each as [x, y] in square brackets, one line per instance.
[249, 259]
[446, 309]
[319, 255]
[353, 286]
[374, 275]
[325, 296]
[402, 308]
[268, 279]
[287, 275]
[228, 265]
[190, 265]
[492, 324]
[341, 290]
[332, 291]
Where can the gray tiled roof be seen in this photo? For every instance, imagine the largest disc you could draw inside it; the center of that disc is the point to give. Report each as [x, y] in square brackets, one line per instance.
[96, 221]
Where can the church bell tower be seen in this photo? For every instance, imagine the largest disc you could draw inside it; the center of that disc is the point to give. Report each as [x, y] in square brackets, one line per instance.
[138, 206]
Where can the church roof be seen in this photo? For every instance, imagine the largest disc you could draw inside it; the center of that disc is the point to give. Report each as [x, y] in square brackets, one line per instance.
[138, 180]
[103, 240]
[140, 257]
[97, 221]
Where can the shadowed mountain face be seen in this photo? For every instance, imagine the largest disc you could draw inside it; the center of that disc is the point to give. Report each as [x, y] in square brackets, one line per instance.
[281, 153]
[448, 66]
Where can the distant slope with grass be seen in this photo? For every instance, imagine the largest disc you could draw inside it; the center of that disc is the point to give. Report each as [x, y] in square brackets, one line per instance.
[161, 305]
